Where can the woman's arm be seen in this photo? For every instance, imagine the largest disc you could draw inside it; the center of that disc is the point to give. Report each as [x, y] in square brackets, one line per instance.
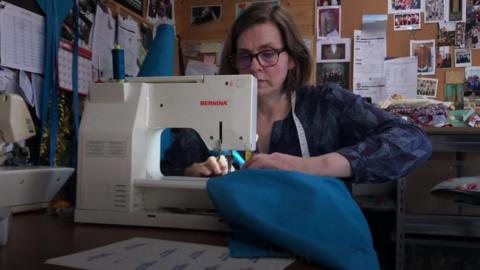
[331, 164]
[352, 139]
[378, 145]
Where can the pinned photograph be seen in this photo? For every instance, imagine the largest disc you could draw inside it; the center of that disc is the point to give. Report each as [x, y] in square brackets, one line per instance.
[402, 6]
[472, 78]
[86, 17]
[444, 57]
[427, 87]
[446, 33]
[406, 21]
[424, 50]
[460, 35]
[328, 3]
[472, 35]
[456, 10]
[134, 5]
[463, 57]
[328, 22]
[336, 73]
[160, 11]
[434, 11]
[205, 14]
[333, 50]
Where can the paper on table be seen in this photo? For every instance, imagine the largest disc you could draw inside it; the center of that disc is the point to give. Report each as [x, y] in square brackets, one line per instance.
[22, 37]
[147, 253]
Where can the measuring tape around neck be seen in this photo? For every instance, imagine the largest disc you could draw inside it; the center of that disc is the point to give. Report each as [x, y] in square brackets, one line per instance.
[300, 131]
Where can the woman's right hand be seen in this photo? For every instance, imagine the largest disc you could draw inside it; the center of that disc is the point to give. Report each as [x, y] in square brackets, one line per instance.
[213, 166]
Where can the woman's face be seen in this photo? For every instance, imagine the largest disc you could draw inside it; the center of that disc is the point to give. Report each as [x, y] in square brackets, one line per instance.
[262, 37]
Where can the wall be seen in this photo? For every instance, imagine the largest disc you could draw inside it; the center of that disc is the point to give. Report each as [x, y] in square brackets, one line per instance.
[303, 12]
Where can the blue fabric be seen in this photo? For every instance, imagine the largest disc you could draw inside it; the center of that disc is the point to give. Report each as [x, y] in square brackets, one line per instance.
[55, 12]
[76, 113]
[310, 216]
[160, 57]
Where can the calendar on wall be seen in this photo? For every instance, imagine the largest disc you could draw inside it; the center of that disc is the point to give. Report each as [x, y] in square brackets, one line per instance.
[64, 67]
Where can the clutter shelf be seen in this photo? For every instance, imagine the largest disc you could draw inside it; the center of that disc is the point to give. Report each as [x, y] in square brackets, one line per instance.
[427, 225]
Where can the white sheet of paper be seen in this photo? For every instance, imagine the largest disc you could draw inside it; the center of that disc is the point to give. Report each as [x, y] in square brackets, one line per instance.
[22, 38]
[199, 68]
[147, 253]
[102, 44]
[26, 89]
[374, 22]
[401, 77]
[8, 81]
[128, 38]
[373, 87]
[37, 87]
[370, 50]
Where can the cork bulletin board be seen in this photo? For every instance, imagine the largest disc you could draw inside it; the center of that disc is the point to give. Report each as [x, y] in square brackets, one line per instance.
[304, 14]
[217, 30]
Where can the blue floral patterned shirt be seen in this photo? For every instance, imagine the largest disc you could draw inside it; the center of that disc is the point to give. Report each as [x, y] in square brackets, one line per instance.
[378, 145]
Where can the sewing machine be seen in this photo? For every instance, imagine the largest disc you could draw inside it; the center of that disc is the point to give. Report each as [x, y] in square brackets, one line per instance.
[119, 177]
[24, 188]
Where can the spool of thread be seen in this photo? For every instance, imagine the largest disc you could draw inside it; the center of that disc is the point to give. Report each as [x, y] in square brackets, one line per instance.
[118, 56]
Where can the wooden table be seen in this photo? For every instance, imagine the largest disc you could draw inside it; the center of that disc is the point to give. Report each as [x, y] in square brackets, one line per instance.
[36, 237]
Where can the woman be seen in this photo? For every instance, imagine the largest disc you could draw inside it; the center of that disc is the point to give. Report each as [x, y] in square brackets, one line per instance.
[322, 130]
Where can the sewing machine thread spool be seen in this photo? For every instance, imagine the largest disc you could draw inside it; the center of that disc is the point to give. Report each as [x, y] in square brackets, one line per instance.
[118, 56]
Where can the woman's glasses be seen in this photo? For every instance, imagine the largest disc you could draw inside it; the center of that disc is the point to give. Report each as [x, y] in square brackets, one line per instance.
[266, 58]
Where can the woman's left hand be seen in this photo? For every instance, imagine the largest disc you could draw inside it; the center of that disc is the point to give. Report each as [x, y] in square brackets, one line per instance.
[331, 164]
[277, 161]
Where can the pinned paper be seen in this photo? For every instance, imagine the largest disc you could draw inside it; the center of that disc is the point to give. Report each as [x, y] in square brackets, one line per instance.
[455, 76]
[8, 80]
[374, 22]
[26, 88]
[191, 49]
[199, 68]
[210, 47]
[209, 59]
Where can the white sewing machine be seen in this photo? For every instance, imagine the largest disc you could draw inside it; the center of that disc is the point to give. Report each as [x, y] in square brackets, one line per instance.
[24, 188]
[119, 178]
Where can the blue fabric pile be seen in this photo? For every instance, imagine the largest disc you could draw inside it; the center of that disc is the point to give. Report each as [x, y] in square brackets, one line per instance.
[282, 213]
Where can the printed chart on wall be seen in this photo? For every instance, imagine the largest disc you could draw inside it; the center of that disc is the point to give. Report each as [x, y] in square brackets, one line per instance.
[22, 39]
